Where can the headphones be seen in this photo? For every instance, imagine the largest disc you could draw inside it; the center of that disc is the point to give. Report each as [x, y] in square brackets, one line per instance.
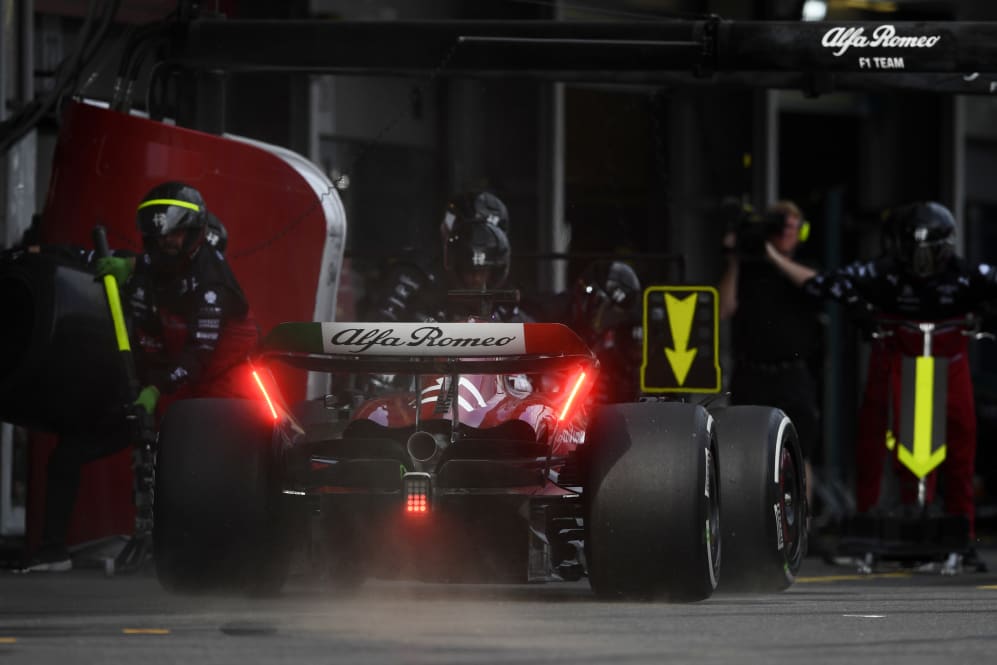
[775, 219]
[804, 233]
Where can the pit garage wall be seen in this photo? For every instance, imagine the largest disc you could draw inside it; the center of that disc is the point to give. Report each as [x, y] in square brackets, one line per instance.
[286, 225]
[980, 223]
[17, 194]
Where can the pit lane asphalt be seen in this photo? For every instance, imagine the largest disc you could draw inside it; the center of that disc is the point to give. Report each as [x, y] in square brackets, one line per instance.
[832, 615]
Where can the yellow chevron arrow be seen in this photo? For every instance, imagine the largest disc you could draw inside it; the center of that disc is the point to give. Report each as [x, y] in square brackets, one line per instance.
[920, 459]
[680, 314]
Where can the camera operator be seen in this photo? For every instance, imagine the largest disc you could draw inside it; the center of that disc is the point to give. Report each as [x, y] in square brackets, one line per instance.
[774, 327]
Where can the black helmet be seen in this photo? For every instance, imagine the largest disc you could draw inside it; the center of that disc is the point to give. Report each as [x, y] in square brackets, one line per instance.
[215, 233]
[477, 254]
[921, 237]
[475, 205]
[605, 293]
[169, 208]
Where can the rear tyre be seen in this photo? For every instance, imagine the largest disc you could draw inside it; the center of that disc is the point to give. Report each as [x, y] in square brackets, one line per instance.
[219, 521]
[765, 514]
[653, 502]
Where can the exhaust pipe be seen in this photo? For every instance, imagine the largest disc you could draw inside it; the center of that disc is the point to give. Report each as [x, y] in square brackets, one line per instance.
[423, 447]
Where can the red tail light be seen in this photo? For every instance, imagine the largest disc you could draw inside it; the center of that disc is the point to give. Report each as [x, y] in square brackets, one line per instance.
[575, 389]
[259, 382]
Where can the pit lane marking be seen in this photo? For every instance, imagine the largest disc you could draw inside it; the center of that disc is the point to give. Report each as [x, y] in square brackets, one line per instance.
[851, 578]
[988, 587]
[8, 640]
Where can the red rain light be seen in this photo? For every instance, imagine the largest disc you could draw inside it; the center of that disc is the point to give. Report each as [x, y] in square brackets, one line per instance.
[571, 396]
[263, 390]
[417, 493]
[416, 504]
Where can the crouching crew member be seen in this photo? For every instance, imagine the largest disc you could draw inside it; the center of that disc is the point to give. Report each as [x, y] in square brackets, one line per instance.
[191, 333]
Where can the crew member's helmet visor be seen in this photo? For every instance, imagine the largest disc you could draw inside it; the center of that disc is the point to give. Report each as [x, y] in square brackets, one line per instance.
[929, 258]
[160, 217]
[478, 253]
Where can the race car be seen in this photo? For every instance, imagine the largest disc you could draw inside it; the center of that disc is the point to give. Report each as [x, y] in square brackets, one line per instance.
[466, 452]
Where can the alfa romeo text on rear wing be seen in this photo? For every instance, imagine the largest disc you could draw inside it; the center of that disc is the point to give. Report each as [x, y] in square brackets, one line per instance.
[426, 347]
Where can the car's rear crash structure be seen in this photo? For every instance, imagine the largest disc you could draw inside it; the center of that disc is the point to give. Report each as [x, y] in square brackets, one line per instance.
[469, 452]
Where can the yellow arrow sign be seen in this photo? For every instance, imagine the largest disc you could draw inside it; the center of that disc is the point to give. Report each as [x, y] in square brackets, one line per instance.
[680, 315]
[920, 458]
[681, 340]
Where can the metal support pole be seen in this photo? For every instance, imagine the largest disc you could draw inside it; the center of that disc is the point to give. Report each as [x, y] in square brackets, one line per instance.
[555, 234]
[953, 172]
[765, 157]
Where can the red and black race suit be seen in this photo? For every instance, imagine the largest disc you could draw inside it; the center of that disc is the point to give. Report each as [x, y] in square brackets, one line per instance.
[192, 330]
[957, 291]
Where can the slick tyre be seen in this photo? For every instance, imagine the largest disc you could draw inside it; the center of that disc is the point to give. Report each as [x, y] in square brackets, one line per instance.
[653, 502]
[219, 522]
[765, 510]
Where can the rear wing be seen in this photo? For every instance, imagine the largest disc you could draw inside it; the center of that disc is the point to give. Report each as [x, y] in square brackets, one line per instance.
[425, 347]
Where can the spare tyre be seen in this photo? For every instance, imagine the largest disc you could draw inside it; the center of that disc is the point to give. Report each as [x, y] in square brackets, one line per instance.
[57, 346]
